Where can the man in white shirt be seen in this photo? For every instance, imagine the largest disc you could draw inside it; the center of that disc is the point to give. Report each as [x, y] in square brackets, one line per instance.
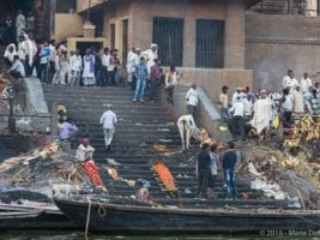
[305, 83]
[192, 99]
[150, 55]
[236, 95]
[248, 107]
[289, 81]
[17, 70]
[237, 112]
[21, 49]
[108, 121]
[287, 107]
[76, 68]
[20, 24]
[105, 65]
[131, 64]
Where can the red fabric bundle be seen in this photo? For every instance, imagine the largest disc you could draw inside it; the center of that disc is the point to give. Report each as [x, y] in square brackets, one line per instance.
[93, 173]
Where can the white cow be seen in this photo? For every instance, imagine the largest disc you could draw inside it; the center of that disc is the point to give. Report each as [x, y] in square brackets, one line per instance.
[187, 129]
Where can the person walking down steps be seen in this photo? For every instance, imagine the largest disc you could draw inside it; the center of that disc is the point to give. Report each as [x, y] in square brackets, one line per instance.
[108, 121]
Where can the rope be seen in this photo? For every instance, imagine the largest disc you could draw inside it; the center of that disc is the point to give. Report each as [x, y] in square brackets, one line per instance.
[102, 212]
[88, 219]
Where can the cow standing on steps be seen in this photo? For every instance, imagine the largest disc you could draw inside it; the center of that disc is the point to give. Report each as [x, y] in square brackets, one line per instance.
[187, 129]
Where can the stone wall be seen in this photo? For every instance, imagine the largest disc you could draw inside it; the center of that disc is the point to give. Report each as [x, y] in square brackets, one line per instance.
[67, 25]
[275, 43]
[207, 113]
[212, 80]
[35, 116]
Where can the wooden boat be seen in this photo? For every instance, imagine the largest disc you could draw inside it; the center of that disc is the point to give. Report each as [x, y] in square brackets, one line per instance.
[13, 218]
[117, 214]
[37, 217]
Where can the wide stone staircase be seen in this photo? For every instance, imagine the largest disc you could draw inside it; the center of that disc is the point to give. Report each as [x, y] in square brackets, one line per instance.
[141, 126]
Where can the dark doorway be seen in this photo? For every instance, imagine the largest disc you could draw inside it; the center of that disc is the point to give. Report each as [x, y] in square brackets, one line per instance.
[11, 7]
[94, 46]
[97, 18]
[112, 36]
[8, 13]
[125, 27]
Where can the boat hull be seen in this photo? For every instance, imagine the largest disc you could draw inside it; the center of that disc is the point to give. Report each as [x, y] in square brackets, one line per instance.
[112, 217]
[13, 217]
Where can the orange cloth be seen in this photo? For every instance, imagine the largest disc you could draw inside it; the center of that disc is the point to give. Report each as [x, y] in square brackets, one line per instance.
[93, 173]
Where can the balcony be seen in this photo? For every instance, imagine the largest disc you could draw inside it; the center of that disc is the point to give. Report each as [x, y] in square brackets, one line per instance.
[83, 5]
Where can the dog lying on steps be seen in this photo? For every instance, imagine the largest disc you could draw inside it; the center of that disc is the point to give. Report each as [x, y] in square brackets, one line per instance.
[187, 129]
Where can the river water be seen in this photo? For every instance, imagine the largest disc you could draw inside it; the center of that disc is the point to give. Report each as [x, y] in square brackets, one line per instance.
[30, 235]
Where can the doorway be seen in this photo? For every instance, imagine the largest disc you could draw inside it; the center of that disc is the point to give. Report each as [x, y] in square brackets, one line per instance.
[8, 13]
[125, 39]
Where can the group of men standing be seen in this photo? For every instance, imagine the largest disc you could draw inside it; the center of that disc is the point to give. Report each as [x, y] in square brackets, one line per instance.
[265, 109]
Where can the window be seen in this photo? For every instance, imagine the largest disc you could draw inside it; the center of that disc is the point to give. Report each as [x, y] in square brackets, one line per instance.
[209, 43]
[168, 34]
[112, 36]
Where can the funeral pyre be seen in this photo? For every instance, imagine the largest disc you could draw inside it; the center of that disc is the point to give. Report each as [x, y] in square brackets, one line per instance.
[38, 175]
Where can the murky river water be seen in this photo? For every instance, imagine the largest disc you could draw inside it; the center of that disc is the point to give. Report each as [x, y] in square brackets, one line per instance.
[30, 235]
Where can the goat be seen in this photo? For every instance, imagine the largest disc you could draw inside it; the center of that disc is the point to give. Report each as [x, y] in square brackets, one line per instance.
[187, 129]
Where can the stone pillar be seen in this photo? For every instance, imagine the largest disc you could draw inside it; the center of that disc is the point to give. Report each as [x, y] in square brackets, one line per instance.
[234, 56]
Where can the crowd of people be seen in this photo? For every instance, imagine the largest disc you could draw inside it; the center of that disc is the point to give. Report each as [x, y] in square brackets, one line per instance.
[267, 109]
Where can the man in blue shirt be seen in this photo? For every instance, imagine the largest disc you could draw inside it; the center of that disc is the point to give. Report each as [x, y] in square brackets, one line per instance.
[141, 74]
[204, 171]
[229, 159]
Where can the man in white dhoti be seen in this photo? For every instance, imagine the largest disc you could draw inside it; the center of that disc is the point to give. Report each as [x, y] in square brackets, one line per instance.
[298, 105]
[76, 68]
[289, 81]
[132, 60]
[262, 115]
[20, 24]
[305, 83]
[88, 71]
[30, 50]
[150, 55]
[108, 121]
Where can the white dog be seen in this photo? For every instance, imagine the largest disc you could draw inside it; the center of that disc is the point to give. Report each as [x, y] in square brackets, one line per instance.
[63, 189]
[187, 129]
[59, 190]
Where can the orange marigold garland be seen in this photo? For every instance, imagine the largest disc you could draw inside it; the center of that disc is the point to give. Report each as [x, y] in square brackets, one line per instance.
[165, 176]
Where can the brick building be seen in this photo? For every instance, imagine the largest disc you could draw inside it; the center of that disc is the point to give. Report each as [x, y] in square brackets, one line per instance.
[204, 38]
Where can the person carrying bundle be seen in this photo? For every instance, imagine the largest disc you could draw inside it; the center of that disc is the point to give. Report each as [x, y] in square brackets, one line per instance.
[85, 155]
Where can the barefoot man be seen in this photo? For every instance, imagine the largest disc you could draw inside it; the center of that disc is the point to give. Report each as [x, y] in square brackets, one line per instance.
[262, 115]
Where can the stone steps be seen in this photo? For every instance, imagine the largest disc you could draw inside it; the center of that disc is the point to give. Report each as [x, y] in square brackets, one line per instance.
[139, 127]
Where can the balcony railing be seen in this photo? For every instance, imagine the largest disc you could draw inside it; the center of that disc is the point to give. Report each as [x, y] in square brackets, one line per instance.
[309, 8]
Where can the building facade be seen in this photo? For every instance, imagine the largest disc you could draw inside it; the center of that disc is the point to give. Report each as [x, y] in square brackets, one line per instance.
[204, 39]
